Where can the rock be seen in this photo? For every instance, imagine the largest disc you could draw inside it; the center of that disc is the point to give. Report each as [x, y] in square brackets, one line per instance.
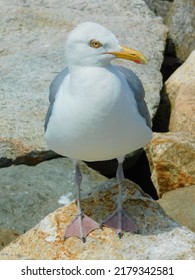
[7, 235]
[28, 193]
[181, 23]
[179, 204]
[180, 88]
[172, 160]
[159, 7]
[157, 236]
[13, 151]
[38, 32]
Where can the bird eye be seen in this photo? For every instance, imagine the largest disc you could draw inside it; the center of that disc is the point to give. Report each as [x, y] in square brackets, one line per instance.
[95, 44]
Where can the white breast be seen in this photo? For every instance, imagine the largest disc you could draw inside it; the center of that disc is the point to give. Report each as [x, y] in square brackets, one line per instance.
[96, 118]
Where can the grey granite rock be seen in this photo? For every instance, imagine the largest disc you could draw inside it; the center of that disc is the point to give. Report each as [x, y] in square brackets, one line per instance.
[28, 193]
[160, 7]
[181, 22]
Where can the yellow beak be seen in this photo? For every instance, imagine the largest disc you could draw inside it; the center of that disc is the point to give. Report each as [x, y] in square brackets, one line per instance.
[130, 54]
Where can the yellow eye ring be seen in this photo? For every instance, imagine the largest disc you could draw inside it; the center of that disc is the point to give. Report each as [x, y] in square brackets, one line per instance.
[95, 44]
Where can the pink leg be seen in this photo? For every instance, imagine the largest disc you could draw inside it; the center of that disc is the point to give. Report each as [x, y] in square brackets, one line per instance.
[119, 221]
[82, 225]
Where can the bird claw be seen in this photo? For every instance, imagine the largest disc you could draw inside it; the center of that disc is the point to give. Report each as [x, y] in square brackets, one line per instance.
[120, 222]
[80, 227]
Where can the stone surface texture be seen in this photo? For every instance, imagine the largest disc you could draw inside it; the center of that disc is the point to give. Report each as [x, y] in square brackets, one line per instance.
[181, 22]
[179, 204]
[172, 160]
[159, 7]
[6, 236]
[28, 193]
[157, 238]
[180, 88]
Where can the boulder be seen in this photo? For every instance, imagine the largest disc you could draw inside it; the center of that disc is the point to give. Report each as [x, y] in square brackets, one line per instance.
[181, 23]
[32, 53]
[179, 204]
[29, 193]
[180, 88]
[156, 239]
[172, 160]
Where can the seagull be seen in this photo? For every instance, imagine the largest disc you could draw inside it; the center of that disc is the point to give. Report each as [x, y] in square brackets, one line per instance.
[97, 112]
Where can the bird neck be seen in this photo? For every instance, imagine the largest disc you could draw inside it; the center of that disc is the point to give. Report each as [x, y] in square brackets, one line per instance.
[93, 79]
[98, 65]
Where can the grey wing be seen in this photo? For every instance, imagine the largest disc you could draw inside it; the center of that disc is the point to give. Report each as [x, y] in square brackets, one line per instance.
[136, 86]
[53, 89]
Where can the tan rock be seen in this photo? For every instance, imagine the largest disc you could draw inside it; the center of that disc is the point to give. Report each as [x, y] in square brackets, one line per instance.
[180, 205]
[172, 160]
[7, 235]
[180, 88]
[156, 239]
[14, 151]
[10, 149]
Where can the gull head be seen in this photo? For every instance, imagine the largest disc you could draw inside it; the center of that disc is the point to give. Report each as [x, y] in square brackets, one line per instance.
[91, 44]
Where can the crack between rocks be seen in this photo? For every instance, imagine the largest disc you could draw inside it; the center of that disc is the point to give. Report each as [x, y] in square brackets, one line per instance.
[168, 67]
[31, 159]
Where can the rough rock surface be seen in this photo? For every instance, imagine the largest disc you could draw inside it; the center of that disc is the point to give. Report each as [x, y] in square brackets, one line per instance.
[6, 236]
[179, 204]
[32, 52]
[159, 7]
[29, 193]
[180, 88]
[181, 23]
[172, 160]
[157, 236]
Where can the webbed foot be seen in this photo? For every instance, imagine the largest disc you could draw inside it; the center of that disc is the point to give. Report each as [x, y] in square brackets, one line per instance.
[80, 227]
[120, 222]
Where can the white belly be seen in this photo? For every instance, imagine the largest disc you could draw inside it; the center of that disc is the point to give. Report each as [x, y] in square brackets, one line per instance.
[97, 124]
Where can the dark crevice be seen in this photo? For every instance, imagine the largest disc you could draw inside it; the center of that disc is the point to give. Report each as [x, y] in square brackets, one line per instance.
[162, 116]
[141, 175]
[137, 171]
[171, 61]
[168, 67]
